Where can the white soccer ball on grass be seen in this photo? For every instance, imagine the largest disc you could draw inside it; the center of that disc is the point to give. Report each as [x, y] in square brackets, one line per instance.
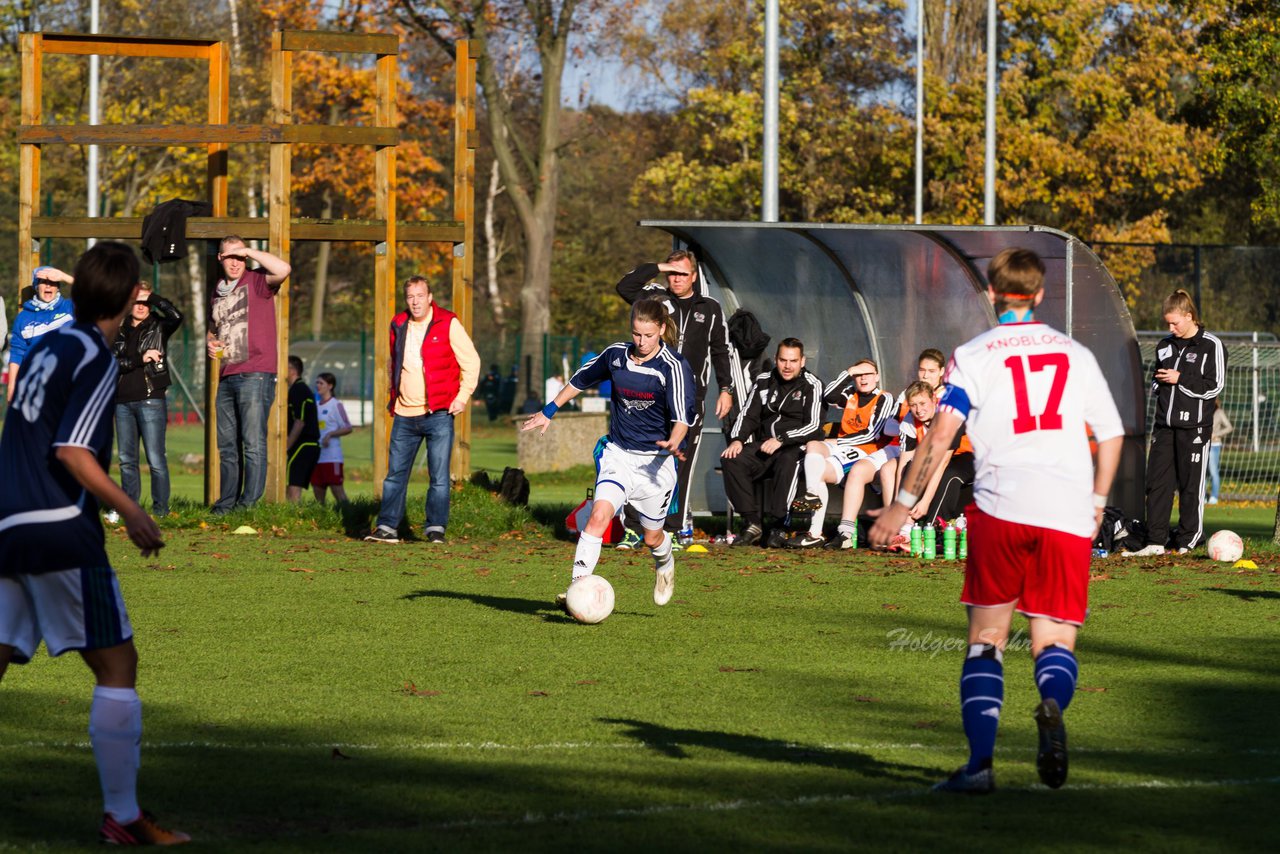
[590, 599]
[1226, 546]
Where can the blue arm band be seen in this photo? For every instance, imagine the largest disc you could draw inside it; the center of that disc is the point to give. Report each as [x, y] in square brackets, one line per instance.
[550, 410]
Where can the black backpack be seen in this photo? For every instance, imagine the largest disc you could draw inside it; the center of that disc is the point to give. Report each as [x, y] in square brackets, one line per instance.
[1118, 531]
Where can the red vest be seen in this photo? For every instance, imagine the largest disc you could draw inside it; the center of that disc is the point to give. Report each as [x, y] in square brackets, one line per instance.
[439, 365]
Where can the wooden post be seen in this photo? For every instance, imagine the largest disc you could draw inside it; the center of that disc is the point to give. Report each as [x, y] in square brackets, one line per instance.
[280, 186]
[29, 161]
[464, 201]
[219, 113]
[385, 290]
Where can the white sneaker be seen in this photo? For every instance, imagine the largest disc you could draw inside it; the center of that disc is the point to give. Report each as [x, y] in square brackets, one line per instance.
[665, 582]
[1152, 550]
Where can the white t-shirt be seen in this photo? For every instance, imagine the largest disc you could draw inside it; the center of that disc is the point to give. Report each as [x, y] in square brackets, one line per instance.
[1027, 392]
[333, 416]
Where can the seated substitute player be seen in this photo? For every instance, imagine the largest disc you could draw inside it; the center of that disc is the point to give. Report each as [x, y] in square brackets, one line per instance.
[860, 451]
[942, 497]
[782, 413]
[55, 581]
[653, 406]
[1026, 391]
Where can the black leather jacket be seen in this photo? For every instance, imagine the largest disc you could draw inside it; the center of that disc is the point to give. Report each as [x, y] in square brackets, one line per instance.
[139, 380]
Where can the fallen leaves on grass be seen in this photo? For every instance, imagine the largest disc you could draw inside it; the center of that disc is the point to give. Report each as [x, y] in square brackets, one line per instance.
[866, 699]
[298, 569]
[539, 694]
[219, 555]
[413, 690]
[925, 724]
[484, 572]
[1092, 689]
[724, 668]
[586, 682]
[815, 579]
[889, 607]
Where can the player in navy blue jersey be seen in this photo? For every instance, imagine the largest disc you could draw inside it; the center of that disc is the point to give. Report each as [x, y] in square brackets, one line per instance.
[653, 406]
[55, 582]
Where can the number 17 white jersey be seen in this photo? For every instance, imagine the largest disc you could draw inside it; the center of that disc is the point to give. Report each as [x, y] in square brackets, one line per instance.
[1027, 392]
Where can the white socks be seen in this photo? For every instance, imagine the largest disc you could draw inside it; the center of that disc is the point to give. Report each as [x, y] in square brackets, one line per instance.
[115, 730]
[815, 470]
[662, 554]
[587, 555]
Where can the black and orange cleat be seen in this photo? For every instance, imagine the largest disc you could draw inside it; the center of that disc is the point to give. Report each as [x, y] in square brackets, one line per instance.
[142, 831]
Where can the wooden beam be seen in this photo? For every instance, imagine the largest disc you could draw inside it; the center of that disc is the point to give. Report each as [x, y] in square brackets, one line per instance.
[210, 134]
[340, 135]
[279, 193]
[28, 161]
[147, 134]
[464, 198]
[250, 228]
[383, 44]
[218, 112]
[385, 288]
[79, 44]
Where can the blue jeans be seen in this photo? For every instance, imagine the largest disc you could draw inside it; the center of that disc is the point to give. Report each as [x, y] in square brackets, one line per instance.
[148, 418]
[1215, 475]
[407, 434]
[242, 406]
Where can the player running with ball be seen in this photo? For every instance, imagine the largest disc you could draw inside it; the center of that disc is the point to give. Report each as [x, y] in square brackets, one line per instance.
[653, 404]
[1025, 393]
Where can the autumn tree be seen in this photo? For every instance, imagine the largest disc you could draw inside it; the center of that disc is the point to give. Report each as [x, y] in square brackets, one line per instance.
[337, 182]
[844, 146]
[523, 115]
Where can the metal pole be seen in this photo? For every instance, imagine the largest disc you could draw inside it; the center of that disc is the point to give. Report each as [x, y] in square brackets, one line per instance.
[989, 204]
[769, 207]
[1253, 351]
[919, 111]
[93, 118]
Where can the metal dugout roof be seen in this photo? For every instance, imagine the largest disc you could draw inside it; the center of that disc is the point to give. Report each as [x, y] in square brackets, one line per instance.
[889, 291]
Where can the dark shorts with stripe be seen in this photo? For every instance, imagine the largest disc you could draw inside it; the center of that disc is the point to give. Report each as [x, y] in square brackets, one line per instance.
[301, 463]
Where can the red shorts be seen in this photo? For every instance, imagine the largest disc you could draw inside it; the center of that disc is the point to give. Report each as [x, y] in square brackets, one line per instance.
[327, 474]
[1045, 572]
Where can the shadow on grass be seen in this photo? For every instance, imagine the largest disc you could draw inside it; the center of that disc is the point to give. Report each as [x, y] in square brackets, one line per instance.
[1246, 595]
[510, 604]
[671, 742]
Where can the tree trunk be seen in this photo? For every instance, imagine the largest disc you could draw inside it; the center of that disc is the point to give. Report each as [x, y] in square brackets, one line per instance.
[493, 252]
[322, 274]
[197, 293]
[535, 308]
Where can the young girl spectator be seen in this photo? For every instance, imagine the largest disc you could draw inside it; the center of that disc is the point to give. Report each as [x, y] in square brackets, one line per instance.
[1221, 427]
[334, 424]
[949, 490]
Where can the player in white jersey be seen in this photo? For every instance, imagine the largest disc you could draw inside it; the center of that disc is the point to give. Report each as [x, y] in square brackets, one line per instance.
[653, 407]
[1026, 394]
[334, 424]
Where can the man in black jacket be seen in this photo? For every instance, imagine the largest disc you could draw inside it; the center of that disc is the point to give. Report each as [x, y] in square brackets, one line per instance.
[782, 412]
[140, 394]
[703, 341]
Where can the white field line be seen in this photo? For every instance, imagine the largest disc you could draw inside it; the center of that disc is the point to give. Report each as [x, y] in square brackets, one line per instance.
[763, 747]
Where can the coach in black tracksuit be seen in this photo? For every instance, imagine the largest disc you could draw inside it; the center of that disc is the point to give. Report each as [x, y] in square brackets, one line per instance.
[782, 412]
[703, 340]
[1190, 371]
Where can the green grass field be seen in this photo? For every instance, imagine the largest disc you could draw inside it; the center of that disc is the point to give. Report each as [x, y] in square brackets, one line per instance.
[307, 691]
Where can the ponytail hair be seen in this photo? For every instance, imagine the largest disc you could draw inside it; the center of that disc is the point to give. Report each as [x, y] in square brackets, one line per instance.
[1181, 302]
[651, 310]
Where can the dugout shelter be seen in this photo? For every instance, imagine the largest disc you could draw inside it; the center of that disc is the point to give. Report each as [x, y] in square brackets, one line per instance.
[889, 291]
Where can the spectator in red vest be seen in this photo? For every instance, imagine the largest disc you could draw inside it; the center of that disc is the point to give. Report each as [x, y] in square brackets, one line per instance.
[433, 371]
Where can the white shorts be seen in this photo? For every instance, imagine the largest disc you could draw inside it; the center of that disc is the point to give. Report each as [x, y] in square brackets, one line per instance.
[843, 456]
[70, 609]
[645, 481]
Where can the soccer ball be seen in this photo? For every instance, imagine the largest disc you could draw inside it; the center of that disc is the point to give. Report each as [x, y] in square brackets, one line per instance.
[590, 599]
[1226, 546]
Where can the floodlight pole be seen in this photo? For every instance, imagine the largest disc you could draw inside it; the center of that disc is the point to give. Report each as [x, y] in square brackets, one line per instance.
[989, 204]
[93, 118]
[769, 201]
[919, 112]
